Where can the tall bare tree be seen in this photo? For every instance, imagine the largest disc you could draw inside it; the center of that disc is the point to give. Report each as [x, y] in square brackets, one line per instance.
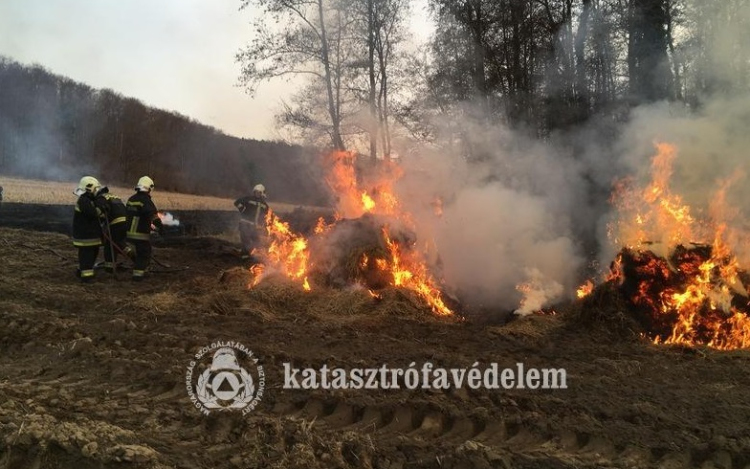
[297, 43]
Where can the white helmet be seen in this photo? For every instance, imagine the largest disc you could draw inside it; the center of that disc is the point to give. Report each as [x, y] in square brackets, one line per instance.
[261, 189]
[87, 184]
[145, 184]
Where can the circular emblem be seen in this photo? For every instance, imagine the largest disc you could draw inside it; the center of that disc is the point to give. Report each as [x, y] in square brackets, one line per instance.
[230, 380]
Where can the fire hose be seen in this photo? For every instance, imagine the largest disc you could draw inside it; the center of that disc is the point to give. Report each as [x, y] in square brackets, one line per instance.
[114, 246]
[108, 237]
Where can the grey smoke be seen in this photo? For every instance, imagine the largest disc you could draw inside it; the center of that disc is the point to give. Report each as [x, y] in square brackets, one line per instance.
[505, 221]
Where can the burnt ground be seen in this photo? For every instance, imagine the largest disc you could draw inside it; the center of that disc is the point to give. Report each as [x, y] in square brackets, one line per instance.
[93, 376]
[58, 219]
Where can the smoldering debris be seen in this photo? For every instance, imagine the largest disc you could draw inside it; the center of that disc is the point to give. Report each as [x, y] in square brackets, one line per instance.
[682, 297]
[355, 251]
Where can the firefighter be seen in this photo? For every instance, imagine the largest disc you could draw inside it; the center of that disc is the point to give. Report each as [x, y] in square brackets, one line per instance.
[253, 210]
[141, 214]
[114, 229]
[87, 233]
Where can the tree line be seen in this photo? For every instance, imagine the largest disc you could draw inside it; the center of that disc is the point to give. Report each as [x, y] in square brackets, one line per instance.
[538, 65]
[52, 127]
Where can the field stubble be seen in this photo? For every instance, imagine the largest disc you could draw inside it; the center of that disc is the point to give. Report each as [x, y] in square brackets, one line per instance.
[32, 191]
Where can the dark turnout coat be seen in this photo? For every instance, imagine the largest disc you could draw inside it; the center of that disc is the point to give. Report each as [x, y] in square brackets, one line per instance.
[112, 206]
[252, 210]
[87, 232]
[141, 214]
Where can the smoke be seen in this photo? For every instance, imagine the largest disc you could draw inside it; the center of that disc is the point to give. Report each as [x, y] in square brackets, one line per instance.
[33, 126]
[168, 219]
[710, 133]
[505, 224]
[524, 221]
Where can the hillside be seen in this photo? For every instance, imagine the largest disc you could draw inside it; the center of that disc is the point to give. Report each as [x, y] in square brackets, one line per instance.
[54, 128]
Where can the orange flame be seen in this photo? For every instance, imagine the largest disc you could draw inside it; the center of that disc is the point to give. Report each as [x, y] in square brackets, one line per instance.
[585, 289]
[167, 219]
[257, 270]
[653, 214]
[289, 252]
[704, 307]
[407, 271]
[378, 196]
[415, 277]
[342, 180]
[374, 295]
[321, 226]
[367, 203]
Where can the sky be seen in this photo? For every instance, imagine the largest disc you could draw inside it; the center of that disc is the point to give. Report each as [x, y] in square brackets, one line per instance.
[177, 55]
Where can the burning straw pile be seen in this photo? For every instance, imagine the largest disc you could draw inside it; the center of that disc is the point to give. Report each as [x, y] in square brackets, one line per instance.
[371, 243]
[356, 251]
[683, 298]
[677, 291]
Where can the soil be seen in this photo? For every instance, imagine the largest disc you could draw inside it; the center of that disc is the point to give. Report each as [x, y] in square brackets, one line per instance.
[93, 376]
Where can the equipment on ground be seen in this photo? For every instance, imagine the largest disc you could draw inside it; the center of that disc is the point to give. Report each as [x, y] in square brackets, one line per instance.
[107, 232]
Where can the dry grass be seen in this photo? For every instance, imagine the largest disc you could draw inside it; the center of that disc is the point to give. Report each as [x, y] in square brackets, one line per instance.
[277, 296]
[534, 326]
[160, 302]
[32, 191]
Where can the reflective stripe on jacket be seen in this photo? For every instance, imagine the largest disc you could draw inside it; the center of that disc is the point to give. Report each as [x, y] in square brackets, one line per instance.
[252, 209]
[141, 213]
[113, 207]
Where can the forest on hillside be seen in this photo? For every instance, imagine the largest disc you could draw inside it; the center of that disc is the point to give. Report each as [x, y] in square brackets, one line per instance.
[52, 127]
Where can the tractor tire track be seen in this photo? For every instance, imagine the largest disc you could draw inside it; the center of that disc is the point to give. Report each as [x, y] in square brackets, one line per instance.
[420, 424]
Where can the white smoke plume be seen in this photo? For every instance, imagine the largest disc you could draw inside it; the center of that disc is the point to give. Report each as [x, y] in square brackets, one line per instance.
[168, 219]
[505, 222]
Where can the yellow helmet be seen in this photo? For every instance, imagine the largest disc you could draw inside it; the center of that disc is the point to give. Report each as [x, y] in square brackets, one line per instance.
[145, 184]
[87, 184]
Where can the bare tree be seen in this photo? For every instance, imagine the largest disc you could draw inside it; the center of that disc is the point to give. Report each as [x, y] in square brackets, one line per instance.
[389, 35]
[377, 34]
[302, 46]
[371, 74]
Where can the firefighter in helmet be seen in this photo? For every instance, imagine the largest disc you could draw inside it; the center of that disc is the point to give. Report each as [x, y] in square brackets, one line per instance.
[87, 232]
[141, 215]
[253, 210]
[115, 228]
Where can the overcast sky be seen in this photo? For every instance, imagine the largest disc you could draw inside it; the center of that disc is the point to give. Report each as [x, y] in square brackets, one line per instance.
[176, 55]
